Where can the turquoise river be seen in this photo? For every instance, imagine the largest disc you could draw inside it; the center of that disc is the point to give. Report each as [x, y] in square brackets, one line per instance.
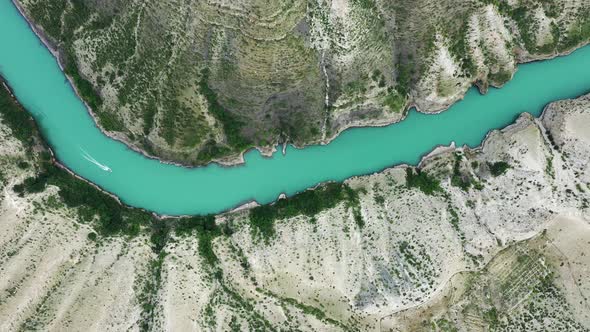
[41, 87]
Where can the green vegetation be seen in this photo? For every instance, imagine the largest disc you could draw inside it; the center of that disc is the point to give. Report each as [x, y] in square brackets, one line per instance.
[523, 19]
[211, 150]
[380, 200]
[406, 249]
[525, 22]
[444, 326]
[454, 219]
[458, 179]
[112, 217]
[404, 70]
[355, 204]
[365, 4]
[513, 292]
[578, 33]
[308, 203]
[147, 297]
[421, 180]
[317, 313]
[109, 121]
[491, 317]
[498, 168]
[108, 215]
[232, 126]
[549, 167]
[500, 77]
[206, 229]
[551, 46]
[394, 101]
[552, 141]
[256, 321]
[84, 87]
[21, 123]
[478, 185]
[259, 83]
[460, 50]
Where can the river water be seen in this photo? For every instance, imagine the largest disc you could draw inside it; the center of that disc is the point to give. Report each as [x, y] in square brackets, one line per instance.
[42, 88]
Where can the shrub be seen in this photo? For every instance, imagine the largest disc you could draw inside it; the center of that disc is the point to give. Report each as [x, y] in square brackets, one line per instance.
[307, 203]
[498, 168]
[459, 180]
[422, 181]
[232, 126]
[14, 117]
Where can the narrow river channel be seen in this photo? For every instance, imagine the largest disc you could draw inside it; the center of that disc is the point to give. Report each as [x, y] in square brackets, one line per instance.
[41, 87]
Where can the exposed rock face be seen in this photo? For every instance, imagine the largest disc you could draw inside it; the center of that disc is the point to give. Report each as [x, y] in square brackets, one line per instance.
[461, 246]
[196, 80]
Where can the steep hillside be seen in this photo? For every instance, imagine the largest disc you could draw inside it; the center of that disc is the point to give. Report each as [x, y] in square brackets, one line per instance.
[472, 239]
[192, 81]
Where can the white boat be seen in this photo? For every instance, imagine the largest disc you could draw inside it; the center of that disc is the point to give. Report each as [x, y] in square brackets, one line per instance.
[88, 157]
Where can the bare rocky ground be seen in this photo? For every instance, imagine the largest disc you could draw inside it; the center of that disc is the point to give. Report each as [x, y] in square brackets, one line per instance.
[192, 81]
[500, 243]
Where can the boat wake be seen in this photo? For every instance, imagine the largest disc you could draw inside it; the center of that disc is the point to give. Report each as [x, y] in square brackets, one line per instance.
[88, 157]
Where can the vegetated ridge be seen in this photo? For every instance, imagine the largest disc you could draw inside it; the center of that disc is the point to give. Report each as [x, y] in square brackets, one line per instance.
[192, 81]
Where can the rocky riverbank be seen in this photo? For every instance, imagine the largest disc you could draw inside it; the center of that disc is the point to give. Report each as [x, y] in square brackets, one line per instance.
[407, 248]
